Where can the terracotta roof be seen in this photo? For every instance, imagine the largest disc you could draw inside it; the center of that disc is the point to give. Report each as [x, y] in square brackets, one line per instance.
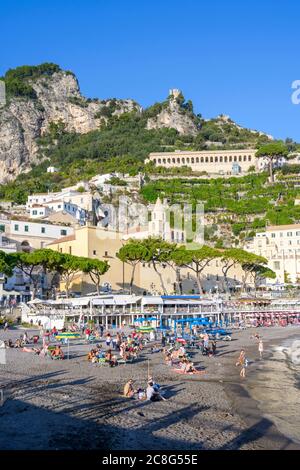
[68, 238]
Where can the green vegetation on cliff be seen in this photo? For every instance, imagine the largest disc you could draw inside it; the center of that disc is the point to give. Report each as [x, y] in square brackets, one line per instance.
[17, 80]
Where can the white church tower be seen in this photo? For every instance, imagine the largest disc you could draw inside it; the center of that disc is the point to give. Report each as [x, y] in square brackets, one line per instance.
[159, 225]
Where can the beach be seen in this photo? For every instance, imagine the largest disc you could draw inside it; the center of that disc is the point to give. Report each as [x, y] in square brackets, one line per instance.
[74, 404]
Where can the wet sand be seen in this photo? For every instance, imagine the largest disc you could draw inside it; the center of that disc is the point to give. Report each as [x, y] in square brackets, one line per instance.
[73, 404]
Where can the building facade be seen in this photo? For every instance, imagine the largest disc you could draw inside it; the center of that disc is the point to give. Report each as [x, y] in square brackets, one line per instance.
[30, 235]
[99, 243]
[159, 226]
[280, 244]
[210, 161]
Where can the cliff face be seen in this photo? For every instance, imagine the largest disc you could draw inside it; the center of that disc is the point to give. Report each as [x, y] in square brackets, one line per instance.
[58, 97]
[175, 116]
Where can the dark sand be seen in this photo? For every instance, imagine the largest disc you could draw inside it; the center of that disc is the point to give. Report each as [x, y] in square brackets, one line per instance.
[73, 404]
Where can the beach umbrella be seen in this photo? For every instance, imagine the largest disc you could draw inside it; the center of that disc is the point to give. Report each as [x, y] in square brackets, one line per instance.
[181, 340]
[145, 329]
[68, 335]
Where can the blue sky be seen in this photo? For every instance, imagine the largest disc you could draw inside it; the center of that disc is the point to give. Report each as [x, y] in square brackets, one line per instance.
[230, 57]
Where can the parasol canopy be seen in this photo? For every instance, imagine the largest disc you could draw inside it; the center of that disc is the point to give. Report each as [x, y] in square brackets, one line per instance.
[68, 335]
[145, 329]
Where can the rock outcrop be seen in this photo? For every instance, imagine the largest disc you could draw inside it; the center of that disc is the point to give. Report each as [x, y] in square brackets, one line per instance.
[175, 116]
[58, 98]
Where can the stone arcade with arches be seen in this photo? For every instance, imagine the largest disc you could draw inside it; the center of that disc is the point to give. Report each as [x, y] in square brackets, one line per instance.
[214, 161]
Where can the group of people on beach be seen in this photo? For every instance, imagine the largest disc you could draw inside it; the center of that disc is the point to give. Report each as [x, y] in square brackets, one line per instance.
[151, 393]
[22, 341]
[121, 348]
[179, 358]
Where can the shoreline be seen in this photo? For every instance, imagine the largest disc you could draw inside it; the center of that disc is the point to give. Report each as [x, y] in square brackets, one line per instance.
[266, 433]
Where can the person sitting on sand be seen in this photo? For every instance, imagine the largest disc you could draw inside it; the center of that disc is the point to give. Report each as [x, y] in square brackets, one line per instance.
[57, 353]
[112, 360]
[91, 355]
[156, 386]
[128, 389]
[141, 394]
[152, 394]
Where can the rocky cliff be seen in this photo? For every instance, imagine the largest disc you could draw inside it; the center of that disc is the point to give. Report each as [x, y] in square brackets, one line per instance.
[39, 97]
[55, 97]
[175, 114]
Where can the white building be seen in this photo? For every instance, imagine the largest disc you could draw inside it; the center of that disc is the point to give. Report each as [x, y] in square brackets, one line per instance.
[76, 203]
[52, 169]
[32, 235]
[280, 244]
[100, 180]
[17, 287]
[38, 211]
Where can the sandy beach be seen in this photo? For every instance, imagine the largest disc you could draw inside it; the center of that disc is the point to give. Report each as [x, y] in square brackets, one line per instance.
[73, 404]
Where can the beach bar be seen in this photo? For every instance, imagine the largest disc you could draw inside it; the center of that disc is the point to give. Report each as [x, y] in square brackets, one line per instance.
[118, 310]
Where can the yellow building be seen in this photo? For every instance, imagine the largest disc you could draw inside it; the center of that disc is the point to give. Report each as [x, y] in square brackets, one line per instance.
[99, 243]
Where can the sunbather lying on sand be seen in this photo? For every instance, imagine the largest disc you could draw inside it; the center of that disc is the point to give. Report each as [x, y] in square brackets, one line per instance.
[31, 350]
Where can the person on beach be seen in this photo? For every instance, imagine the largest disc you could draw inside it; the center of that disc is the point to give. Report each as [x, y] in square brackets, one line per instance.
[260, 348]
[214, 347]
[108, 340]
[110, 358]
[129, 391]
[243, 363]
[57, 353]
[31, 350]
[152, 393]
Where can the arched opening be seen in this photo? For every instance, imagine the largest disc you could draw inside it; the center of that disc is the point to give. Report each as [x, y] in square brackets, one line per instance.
[25, 246]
